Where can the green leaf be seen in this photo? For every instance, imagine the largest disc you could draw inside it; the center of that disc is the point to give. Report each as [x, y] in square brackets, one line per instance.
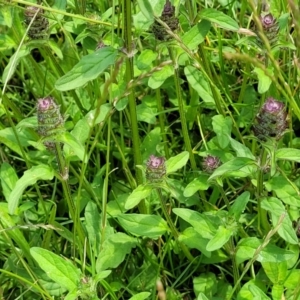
[240, 149]
[239, 205]
[114, 250]
[141, 192]
[146, 9]
[87, 69]
[201, 296]
[222, 128]
[177, 162]
[276, 209]
[276, 272]
[159, 77]
[141, 296]
[293, 279]
[199, 83]
[193, 239]
[13, 63]
[145, 59]
[247, 247]
[8, 178]
[205, 283]
[198, 184]
[58, 269]
[148, 146]
[146, 113]
[264, 81]
[92, 224]
[220, 239]
[74, 146]
[284, 190]
[257, 292]
[81, 131]
[196, 35]
[200, 222]
[30, 177]
[288, 154]
[219, 18]
[7, 224]
[101, 113]
[232, 165]
[151, 226]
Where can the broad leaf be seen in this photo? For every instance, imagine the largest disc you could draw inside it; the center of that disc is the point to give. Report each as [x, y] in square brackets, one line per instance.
[177, 162]
[219, 18]
[198, 184]
[220, 239]
[30, 177]
[222, 128]
[151, 226]
[141, 192]
[87, 69]
[288, 154]
[58, 269]
[239, 205]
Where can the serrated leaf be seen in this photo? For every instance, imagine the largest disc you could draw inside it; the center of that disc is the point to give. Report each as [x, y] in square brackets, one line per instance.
[87, 69]
[30, 177]
[141, 192]
[58, 269]
[219, 18]
[177, 162]
[151, 226]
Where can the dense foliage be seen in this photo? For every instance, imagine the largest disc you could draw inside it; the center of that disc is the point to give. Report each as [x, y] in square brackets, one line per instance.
[149, 149]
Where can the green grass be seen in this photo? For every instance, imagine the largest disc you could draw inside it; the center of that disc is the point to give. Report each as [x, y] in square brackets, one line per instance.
[84, 211]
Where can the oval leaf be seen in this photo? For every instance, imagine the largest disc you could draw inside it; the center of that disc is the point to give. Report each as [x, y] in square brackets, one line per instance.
[141, 192]
[143, 225]
[219, 18]
[58, 269]
[177, 162]
[88, 68]
[30, 177]
[222, 236]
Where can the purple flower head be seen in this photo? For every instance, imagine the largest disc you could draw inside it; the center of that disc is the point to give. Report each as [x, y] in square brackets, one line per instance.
[39, 26]
[272, 106]
[156, 168]
[267, 21]
[271, 121]
[210, 163]
[44, 104]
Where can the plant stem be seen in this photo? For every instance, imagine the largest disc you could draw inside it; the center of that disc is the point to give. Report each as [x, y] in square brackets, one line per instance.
[173, 229]
[131, 98]
[183, 122]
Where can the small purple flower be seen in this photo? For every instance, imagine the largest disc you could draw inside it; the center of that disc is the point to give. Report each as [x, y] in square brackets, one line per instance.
[267, 21]
[39, 26]
[156, 168]
[271, 121]
[50, 120]
[210, 163]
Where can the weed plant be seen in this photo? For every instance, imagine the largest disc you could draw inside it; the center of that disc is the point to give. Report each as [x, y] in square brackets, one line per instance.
[149, 149]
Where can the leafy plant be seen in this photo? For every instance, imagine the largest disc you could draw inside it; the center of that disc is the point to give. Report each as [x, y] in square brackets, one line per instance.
[149, 150]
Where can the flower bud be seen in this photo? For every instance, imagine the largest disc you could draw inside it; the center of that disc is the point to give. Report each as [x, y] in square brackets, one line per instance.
[40, 25]
[167, 16]
[50, 120]
[270, 27]
[210, 163]
[271, 121]
[156, 168]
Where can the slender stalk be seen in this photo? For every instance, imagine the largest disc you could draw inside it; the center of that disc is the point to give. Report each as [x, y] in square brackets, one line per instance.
[263, 222]
[129, 75]
[173, 228]
[183, 121]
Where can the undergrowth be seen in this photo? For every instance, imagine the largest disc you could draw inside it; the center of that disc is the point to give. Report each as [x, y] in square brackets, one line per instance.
[149, 149]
